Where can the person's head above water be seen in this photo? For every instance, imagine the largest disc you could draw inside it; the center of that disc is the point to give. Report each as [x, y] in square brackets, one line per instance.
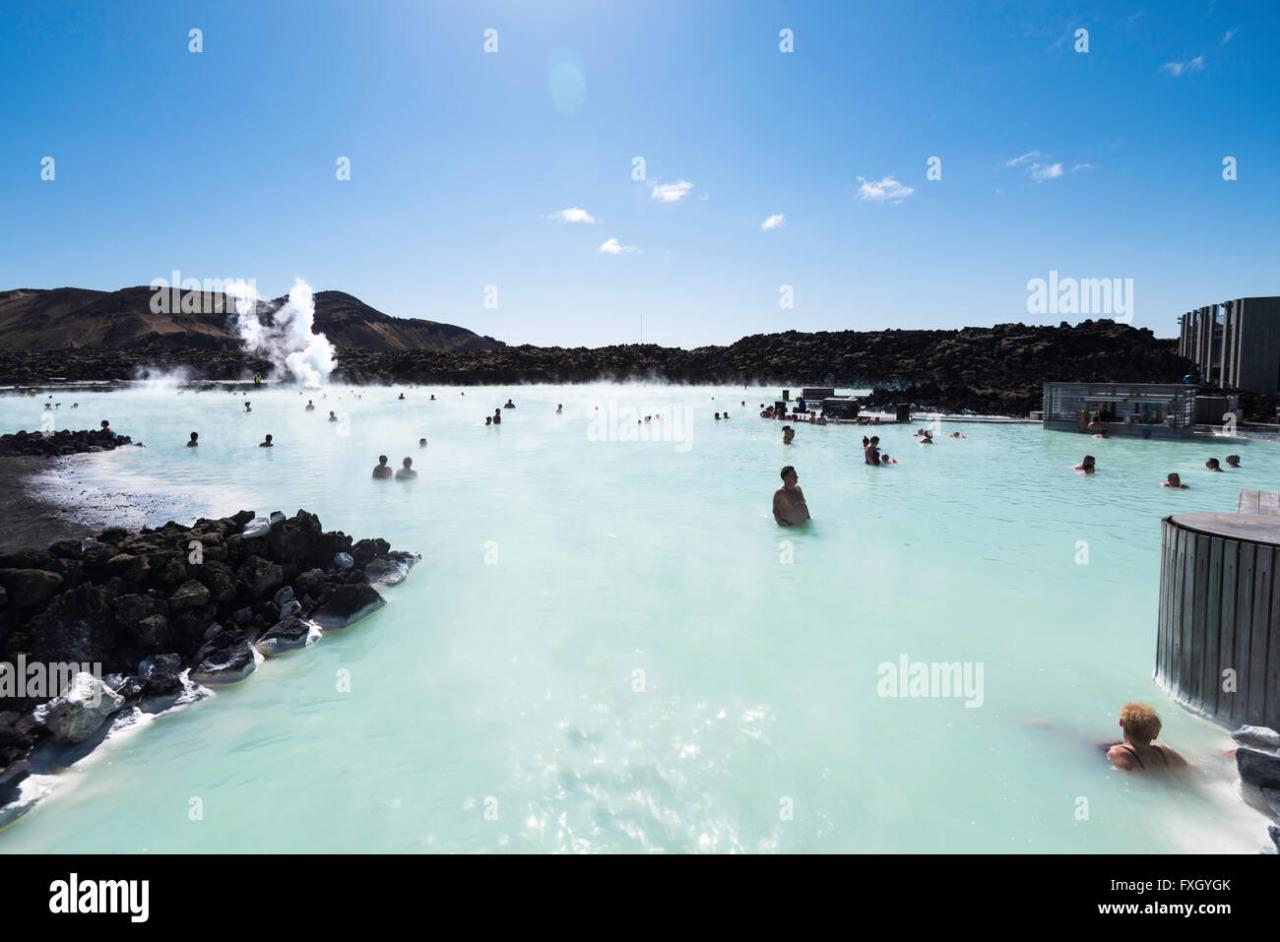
[1174, 480]
[1213, 465]
[106, 424]
[408, 463]
[382, 459]
[789, 476]
[1141, 723]
[1087, 463]
[1233, 461]
[422, 443]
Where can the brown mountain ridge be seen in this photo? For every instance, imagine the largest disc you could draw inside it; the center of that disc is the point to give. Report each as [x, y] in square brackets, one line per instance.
[66, 319]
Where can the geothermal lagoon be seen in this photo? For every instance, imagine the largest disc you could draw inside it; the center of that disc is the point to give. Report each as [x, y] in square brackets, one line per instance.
[610, 646]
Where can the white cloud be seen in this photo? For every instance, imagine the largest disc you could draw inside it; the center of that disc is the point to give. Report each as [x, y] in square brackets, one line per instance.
[670, 192]
[1085, 166]
[1179, 68]
[1042, 172]
[1022, 158]
[572, 214]
[1040, 167]
[1229, 35]
[884, 190]
[614, 247]
[773, 222]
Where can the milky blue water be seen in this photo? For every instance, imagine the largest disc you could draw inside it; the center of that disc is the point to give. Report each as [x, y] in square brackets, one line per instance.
[610, 646]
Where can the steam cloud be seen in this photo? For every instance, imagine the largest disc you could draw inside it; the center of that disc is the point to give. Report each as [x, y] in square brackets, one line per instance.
[289, 342]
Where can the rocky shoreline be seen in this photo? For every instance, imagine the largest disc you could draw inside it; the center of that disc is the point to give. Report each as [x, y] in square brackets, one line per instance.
[995, 370]
[56, 444]
[92, 629]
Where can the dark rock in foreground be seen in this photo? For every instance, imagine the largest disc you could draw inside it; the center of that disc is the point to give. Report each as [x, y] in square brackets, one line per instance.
[61, 442]
[1260, 769]
[125, 614]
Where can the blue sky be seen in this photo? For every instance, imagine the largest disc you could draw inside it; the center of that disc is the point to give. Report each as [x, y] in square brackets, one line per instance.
[223, 163]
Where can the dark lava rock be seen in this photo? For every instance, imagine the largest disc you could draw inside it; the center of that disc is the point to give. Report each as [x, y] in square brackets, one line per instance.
[190, 594]
[347, 605]
[260, 577]
[226, 665]
[363, 551]
[29, 588]
[285, 635]
[61, 442]
[1261, 769]
[391, 569]
[10, 780]
[161, 676]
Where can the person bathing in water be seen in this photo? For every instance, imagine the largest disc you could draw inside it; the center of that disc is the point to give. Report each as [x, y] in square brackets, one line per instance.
[1139, 752]
[788, 434]
[406, 471]
[789, 507]
[195, 440]
[1087, 465]
[311, 406]
[497, 416]
[332, 417]
[1233, 461]
[871, 453]
[266, 443]
[559, 408]
[382, 470]
[1213, 465]
[509, 404]
[1174, 480]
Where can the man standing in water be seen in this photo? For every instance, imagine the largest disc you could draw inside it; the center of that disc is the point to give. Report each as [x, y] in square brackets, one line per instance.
[789, 507]
[406, 472]
[382, 470]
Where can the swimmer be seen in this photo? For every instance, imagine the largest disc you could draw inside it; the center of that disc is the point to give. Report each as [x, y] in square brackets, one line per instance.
[311, 406]
[381, 470]
[509, 405]
[1233, 461]
[789, 507]
[1212, 465]
[788, 434]
[559, 408]
[885, 459]
[726, 417]
[332, 417]
[1139, 751]
[433, 397]
[406, 471]
[266, 443]
[1087, 465]
[497, 416]
[106, 426]
[488, 420]
[1174, 480]
[925, 439]
[956, 435]
[248, 407]
[402, 395]
[871, 454]
[717, 416]
[422, 443]
[194, 442]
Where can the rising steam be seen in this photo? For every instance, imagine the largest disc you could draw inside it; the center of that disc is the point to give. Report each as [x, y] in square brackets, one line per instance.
[288, 341]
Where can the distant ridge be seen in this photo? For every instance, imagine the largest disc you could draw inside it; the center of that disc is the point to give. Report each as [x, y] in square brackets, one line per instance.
[67, 319]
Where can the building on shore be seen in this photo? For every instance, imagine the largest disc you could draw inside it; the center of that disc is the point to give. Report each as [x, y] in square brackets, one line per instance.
[1235, 344]
[1148, 410]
